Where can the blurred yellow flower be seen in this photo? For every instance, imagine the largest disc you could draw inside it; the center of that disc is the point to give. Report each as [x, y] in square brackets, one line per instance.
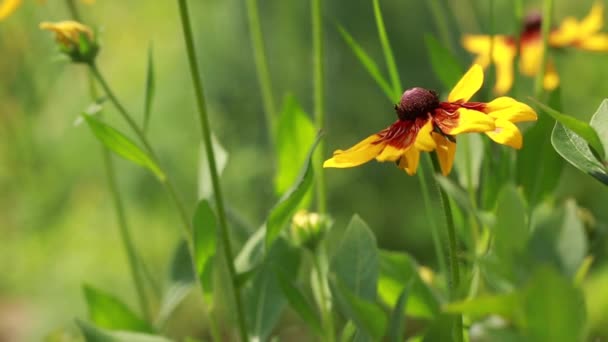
[571, 33]
[7, 7]
[75, 39]
[426, 124]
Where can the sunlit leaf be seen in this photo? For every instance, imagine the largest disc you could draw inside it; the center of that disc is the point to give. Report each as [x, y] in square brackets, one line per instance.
[468, 160]
[368, 63]
[205, 239]
[107, 311]
[205, 186]
[295, 135]
[300, 304]
[289, 202]
[92, 333]
[444, 64]
[355, 261]
[150, 88]
[505, 305]
[599, 121]
[121, 145]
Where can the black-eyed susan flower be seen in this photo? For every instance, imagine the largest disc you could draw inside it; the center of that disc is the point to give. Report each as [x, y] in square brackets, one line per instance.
[571, 33]
[7, 7]
[424, 123]
[74, 39]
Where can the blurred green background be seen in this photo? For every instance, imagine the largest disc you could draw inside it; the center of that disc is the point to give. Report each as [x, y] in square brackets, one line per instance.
[57, 225]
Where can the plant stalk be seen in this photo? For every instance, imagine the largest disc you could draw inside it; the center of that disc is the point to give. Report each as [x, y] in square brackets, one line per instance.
[546, 30]
[319, 99]
[217, 191]
[324, 302]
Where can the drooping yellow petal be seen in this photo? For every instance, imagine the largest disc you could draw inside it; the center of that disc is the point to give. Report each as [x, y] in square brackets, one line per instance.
[409, 161]
[7, 7]
[510, 109]
[390, 153]
[597, 43]
[471, 121]
[593, 22]
[424, 141]
[531, 56]
[506, 133]
[359, 154]
[446, 150]
[68, 32]
[468, 85]
[565, 34]
[503, 59]
[551, 79]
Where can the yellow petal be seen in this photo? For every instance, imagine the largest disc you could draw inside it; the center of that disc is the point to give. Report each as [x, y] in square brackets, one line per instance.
[468, 85]
[409, 161]
[390, 153]
[597, 43]
[476, 43]
[531, 56]
[446, 150]
[7, 7]
[509, 109]
[593, 22]
[551, 80]
[506, 133]
[424, 141]
[471, 121]
[359, 154]
[565, 34]
[503, 59]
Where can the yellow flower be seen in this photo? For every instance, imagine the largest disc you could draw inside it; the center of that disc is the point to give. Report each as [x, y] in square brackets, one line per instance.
[7, 7]
[426, 124]
[584, 35]
[75, 39]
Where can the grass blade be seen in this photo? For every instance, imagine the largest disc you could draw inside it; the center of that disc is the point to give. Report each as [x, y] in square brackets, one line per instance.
[386, 49]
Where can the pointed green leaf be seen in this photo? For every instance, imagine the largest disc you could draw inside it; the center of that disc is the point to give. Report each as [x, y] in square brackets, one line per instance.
[109, 312]
[468, 160]
[180, 283]
[386, 49]
[396, 327]
[505, 305]
[368, 63]
[289, 202]
[300, 304]
[355, 260]
[150, 88]
[576, 151]
[582, 129]
[295, 135]
[123, 146]
[599, 121]
[205, 239]
[92, 333]
[445, 65]
[205, 185]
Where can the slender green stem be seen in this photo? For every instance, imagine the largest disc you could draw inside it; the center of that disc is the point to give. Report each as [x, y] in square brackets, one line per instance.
[454, 281]
[129, 245]
[319, 259]
[546, 30]
[206, 135]
[261, 65]
[441, 23]
[388, 52]
[319, 98]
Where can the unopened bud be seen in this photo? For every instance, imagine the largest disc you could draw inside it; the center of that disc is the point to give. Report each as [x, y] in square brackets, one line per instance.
[74, 39]
[307, 229]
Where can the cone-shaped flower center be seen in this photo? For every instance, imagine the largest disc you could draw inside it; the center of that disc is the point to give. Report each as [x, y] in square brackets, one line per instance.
[533, 22]
[416, 103]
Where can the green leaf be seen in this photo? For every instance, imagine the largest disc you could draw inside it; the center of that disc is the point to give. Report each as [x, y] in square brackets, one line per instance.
[289, 202]
[386, 49]
[511, 230]
[205, 239]
[205, 185]
[180, 283]
[445, 65]
[264, 299]
[505, 305]
[367, 315]
[123, 146]
[92, 333]
[538, 165]
[300, 304]
[397, 269]
[150, 88]
[368, 63]
[397, 326]
[599, 121]
[355, 261]
[468, 160]
[440, 329]
[109, 312]
[295, 134]
[580, 128]
[463, 200]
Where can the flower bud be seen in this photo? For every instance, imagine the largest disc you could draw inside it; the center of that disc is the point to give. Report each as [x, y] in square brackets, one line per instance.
[307, 229]
[74, 39]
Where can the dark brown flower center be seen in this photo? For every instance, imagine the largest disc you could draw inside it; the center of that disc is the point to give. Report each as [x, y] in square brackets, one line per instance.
[416, 103]
[533, 22]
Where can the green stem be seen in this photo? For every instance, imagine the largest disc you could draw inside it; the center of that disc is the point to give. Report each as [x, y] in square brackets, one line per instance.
[206, 135]
[454, 281]
[319, 99]
[129, 245]
[388, 52]
[318, 258]
[261, 65]
[546, 30]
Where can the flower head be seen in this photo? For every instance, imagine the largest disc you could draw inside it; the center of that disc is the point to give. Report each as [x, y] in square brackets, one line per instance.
[424, 123]
[74, 39]
[7, 7]
[571, 33]
[308, 228]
